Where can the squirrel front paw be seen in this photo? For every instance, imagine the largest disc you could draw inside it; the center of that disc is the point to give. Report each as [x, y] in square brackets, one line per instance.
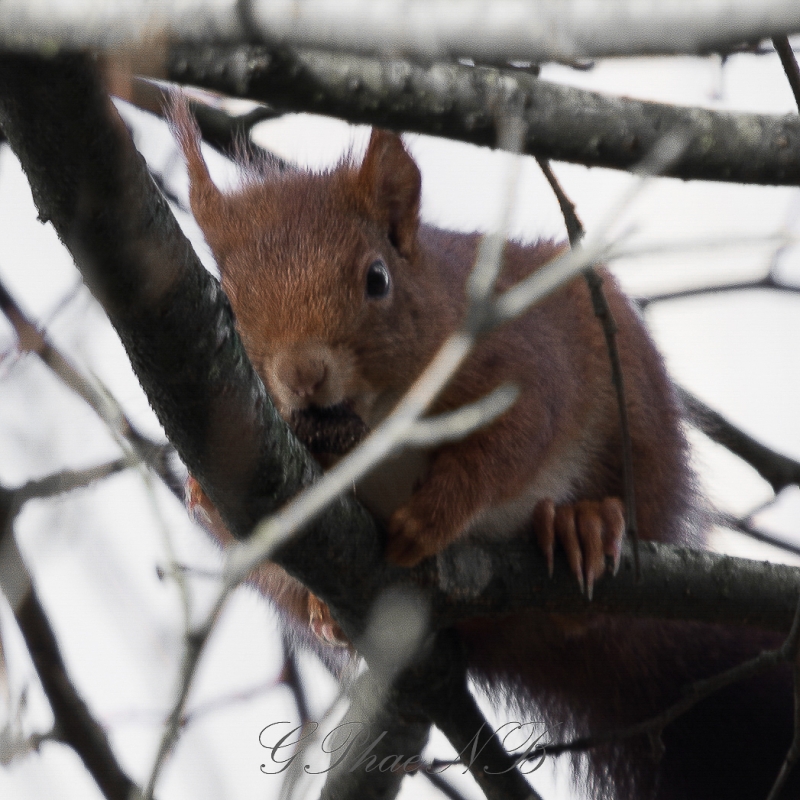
[204, 512]
[412, 537]
[323, 625]
[589, 531]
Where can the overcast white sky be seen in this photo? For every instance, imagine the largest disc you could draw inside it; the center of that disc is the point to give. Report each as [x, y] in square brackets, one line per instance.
[94, 553]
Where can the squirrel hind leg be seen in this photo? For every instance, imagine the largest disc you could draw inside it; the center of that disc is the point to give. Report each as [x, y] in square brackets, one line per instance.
[590, 533]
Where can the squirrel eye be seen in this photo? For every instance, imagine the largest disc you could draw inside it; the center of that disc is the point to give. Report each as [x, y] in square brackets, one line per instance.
[378, 281]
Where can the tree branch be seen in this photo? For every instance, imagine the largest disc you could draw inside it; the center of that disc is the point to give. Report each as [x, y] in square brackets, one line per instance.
[487, 30]
[789, 63]
[460, 102]
[769, 282]
[474, 578]
[74, 724]
[778, 470]
[31, 339]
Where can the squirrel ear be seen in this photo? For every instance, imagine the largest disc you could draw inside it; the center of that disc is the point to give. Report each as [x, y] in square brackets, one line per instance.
[389, 183]
[205, 199]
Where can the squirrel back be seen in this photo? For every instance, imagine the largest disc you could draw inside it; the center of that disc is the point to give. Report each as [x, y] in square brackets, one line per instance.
[342, 298]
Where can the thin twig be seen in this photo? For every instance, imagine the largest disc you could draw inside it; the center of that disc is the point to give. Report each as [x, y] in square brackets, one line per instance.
[178, 576]
[670, 246]
[74, 722]
[602, 311]
[778, 470]
[31, 339]
[452, 426]
[745, 527]
[67, 480]
[290, 677]
[48, 319]
[767, 282]
[575, 230]
[195, 643]
[789, 62]
[693, 695]
[227, 700]
[446, 788]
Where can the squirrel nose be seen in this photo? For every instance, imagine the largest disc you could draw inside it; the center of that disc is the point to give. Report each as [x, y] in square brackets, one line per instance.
[306, 378]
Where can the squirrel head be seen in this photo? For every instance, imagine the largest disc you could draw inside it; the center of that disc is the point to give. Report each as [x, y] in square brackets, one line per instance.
[333, 297]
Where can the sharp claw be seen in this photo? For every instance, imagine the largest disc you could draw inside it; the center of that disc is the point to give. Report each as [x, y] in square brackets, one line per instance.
[579, 576]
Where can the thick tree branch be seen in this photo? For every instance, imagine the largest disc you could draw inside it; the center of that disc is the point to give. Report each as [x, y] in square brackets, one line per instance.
[475, 578]
[487, 30]
[461, 102]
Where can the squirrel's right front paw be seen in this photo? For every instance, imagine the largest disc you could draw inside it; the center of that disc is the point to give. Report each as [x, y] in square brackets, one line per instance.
[412, 537]
[589, 531]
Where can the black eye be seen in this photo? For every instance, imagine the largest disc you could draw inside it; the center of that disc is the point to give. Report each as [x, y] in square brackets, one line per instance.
[378, 281]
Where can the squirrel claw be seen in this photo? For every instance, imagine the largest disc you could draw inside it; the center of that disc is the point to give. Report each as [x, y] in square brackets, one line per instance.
[408, 543]
[543, 517]
[323, 625]
[590, 532]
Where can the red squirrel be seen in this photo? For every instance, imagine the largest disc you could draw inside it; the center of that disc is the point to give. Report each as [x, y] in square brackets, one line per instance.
[342, 297]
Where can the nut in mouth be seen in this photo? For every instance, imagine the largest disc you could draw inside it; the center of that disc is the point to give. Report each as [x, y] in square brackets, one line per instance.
[333, 430]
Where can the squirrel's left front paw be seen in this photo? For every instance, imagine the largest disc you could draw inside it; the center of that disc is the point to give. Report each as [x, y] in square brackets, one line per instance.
[323, 625]
[410, 539]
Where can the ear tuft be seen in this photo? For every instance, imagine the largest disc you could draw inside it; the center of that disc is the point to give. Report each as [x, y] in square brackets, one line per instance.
[206, 200]
[389, 184]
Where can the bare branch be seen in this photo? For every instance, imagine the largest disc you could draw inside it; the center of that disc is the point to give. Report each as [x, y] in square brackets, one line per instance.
[778, 470]
[575, 229]
[67, 480]
[696, 693]
[767, 282]
[602, 311]
[475, 578]
[487, 30]
[74, 724]
[794, 749]
[458, 102]
[744, 526]
[31, 339]
[789, 62]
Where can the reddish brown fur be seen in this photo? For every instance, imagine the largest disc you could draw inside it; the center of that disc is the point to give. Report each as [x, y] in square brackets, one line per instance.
[294, 250]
